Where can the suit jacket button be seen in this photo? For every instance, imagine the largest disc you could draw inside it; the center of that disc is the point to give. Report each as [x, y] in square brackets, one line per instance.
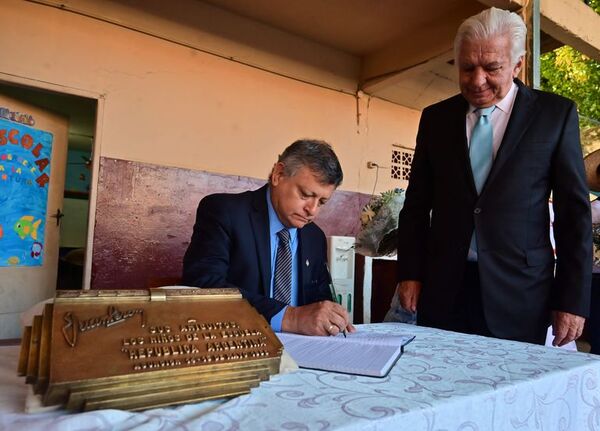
[477, 210]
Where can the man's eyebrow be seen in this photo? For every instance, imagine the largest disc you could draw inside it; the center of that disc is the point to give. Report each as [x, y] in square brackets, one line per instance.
[307, 192]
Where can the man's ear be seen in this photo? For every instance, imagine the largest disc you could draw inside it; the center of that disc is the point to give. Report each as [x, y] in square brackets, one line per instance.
[518, 66]
[277, 173]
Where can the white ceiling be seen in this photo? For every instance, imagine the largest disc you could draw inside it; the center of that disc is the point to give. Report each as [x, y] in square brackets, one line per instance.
[410, 40]
[404, 47]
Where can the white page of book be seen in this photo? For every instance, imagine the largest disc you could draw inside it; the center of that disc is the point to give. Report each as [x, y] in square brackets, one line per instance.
[362, 353]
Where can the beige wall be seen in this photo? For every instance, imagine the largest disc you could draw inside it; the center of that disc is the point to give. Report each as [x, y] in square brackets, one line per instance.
[168, 104]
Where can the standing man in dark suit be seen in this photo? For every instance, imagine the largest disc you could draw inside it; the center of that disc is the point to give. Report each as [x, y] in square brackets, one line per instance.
[474, 253]
[242, 240]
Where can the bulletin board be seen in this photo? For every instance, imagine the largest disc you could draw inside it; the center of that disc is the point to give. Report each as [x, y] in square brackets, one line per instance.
[25, 156]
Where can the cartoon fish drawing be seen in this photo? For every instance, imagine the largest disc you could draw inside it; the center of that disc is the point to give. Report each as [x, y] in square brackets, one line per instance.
[36, 250]
[13, 260]
[26, 226]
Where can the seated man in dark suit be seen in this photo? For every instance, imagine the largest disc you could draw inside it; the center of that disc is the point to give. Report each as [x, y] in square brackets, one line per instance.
[264, 243]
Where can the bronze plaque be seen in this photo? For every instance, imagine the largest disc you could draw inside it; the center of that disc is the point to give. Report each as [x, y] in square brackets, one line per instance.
[141, 349]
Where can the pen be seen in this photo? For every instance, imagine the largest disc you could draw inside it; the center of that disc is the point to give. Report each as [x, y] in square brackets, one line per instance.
[332, 290]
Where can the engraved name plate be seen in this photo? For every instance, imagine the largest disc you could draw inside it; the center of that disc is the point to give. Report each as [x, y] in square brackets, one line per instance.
[134, 349]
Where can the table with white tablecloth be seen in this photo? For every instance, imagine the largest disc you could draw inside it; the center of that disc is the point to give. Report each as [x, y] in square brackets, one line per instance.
[443, 381]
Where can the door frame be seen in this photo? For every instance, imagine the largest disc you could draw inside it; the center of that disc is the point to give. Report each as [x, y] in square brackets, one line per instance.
[96, 145]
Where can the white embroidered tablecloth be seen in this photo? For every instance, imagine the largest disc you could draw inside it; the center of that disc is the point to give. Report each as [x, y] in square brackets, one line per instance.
[444, 381]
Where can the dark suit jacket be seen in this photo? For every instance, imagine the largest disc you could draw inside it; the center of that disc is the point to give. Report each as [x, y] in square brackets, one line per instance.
[230, 247]
[540, 153]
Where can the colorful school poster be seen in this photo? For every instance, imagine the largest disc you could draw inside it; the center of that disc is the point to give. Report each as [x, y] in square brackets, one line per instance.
[25, 154]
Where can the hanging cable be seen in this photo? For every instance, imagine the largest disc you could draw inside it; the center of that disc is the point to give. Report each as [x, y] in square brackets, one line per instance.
[376, 178]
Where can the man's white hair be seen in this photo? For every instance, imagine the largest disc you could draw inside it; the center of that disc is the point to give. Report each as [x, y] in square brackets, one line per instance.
[491, 23]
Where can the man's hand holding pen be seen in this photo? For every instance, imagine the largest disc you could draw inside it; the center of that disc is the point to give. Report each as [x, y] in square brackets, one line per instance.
[318, 318]
[335, 299]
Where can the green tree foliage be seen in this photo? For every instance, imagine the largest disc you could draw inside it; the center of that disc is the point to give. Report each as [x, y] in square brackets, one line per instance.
[594, 4]
[568, 72]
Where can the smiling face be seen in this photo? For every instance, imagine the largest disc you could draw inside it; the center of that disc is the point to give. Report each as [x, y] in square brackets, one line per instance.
[297, 199]
[485, 71]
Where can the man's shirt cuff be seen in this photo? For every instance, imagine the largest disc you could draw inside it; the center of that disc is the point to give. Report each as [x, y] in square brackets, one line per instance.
[278, 319]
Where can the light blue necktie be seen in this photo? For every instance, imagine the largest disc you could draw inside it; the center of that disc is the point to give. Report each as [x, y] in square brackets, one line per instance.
[481, 147]
[481, 150]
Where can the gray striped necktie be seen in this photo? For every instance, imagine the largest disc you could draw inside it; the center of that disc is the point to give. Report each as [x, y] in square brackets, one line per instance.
[282, 286]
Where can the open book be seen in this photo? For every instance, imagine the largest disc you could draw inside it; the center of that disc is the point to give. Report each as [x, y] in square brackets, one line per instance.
[363, 353]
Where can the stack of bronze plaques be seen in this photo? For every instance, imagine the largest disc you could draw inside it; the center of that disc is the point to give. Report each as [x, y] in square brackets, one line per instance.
[136, 349]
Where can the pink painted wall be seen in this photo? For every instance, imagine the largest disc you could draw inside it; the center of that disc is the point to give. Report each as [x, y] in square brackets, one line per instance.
[145, 215]
[169, 104]
[171, 113]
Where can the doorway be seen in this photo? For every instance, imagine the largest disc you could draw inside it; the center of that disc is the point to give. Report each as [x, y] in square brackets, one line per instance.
[70, 217]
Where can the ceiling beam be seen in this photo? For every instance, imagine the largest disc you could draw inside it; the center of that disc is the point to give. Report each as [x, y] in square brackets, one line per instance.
[426, 45]
[574, 24]
[512, 5]
[571, 22]
[376, 84]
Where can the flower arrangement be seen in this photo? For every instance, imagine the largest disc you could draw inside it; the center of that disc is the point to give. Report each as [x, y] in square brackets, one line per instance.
[596, 242]
[379, 223]
[596, 234]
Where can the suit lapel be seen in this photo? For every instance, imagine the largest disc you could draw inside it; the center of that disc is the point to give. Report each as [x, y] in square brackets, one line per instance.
[458, 122]
[259, 218]
[520, 119]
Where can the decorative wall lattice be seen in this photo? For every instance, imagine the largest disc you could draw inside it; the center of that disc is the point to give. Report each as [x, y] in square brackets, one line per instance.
[401, 161]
